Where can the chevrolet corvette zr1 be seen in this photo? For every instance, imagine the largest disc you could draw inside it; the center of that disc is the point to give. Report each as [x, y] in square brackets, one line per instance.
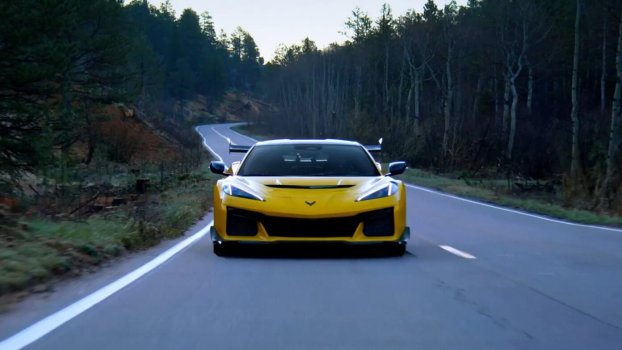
[308, 191]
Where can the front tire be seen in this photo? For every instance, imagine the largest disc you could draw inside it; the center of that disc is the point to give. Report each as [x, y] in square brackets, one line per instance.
[397, 249]
[222, 249]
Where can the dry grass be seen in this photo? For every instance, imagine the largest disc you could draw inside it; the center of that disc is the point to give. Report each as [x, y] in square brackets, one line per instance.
[36, 251]
[493, 191]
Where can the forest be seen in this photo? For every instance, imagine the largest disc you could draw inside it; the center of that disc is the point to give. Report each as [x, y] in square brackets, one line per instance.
[499, 88]
[62, 62]
[98, 153]
[507, 89]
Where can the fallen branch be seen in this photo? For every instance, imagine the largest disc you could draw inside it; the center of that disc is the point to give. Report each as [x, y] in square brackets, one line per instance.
[82, 205]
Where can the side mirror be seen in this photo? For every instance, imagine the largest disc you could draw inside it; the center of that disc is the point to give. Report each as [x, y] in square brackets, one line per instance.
[217, 167]
[396, 168]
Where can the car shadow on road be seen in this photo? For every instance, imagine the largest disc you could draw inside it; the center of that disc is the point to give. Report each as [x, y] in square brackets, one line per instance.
[314, 251]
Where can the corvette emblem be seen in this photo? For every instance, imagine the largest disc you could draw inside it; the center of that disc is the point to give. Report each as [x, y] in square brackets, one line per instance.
[310, 203]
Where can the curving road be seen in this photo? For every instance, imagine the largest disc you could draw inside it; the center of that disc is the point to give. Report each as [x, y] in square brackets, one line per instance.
[475, 277]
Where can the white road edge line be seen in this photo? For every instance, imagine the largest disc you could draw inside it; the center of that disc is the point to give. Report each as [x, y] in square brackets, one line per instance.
[221, 135]
[206, 145]
[244, 136]
[39, 329]
[42, 327]
[457, 252]
[513, 210]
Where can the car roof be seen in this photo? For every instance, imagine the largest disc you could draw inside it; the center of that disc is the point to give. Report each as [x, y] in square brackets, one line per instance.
[308, 141]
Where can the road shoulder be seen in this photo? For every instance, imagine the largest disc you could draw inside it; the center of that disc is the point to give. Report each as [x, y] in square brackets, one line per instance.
[38, 306]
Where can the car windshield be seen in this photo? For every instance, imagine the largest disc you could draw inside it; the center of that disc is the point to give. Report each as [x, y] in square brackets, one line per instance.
[308, 160]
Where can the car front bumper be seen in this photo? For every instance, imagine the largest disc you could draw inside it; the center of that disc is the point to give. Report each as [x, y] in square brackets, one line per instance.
[402, 239]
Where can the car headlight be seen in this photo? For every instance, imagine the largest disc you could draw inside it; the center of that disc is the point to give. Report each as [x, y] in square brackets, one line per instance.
[388, 190]
[236, 192]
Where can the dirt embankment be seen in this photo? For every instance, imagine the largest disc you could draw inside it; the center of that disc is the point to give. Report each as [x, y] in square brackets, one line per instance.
[241, 107]
[145, 182]
[134, 139]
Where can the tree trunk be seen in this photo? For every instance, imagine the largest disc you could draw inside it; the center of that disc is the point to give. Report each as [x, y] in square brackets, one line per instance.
[506, 108]
[92, 139]
[575, 166]
[495, 91]
[401, 84]
[477, 98]
[512, 120]
[511, 82]
[409, 97]
[386, 80]
[417, 120]
[457, 108]
[414, 90]
[312, 106]
[607, 193]
[327, 93]
[603, 76]
[357, 92]
[448, 100]
[530, 92]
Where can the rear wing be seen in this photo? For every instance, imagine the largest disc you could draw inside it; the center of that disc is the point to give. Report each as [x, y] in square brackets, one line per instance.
[238, 148]
[233, 148]
[374, 148]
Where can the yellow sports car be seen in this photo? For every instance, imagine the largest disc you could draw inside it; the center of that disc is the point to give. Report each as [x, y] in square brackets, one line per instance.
[308, 191]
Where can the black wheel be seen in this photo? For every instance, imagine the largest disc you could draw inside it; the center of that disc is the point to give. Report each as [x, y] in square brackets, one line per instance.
[397, 249]
[222, 249]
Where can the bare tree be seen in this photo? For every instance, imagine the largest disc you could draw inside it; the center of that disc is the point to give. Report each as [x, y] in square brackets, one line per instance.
[575, 160]
[603, 76]
[449, 15]
[614, 131]
[522, 26]
[418, 54]
[530, 90]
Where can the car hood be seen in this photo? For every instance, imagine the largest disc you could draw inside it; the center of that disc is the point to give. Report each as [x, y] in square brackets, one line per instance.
[314, 183]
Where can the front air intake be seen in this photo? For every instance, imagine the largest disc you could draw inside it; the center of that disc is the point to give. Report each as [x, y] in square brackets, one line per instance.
[241, 222]
[378, 223]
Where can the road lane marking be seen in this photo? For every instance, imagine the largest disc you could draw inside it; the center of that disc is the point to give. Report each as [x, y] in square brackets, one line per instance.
[234, 132]
[34, 332]
[512, 210]
[457, 252]
[221, 135]
[207, 146]
[244, 136]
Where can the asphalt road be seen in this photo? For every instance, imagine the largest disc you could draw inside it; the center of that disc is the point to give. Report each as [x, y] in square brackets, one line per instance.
[474, 277]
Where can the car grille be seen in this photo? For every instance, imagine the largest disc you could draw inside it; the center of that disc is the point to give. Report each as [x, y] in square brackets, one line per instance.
[288, 227]
[375, 223]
